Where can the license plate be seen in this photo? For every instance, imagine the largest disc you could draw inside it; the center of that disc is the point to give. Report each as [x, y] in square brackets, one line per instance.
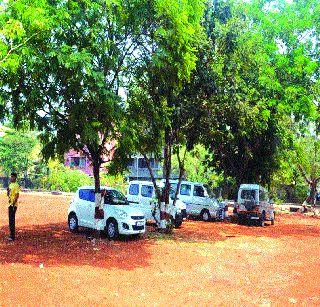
[254, 217]
[139, 223]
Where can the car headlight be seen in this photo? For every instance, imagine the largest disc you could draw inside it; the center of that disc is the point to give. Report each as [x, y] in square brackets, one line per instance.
[122, 214]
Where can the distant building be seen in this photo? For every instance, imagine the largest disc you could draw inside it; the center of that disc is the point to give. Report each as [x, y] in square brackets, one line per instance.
[77, 160]
[137, 166]
[138, 169]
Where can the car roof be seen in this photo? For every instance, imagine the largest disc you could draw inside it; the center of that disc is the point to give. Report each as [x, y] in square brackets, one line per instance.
[251, 186]
[147, 182]
[90, 187]
[162, 181]
[185, 182]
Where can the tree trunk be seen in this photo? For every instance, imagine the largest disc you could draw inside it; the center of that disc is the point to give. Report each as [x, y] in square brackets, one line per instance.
[313, 190]
[98, 212]
[166, 172]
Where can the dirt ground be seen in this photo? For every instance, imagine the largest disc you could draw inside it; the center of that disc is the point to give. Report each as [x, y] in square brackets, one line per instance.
[202, 263]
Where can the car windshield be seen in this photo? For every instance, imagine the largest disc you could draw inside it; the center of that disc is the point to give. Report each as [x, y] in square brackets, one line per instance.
[115, 197]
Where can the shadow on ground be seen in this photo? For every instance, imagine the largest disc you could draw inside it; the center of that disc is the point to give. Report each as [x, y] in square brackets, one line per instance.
[55, 245]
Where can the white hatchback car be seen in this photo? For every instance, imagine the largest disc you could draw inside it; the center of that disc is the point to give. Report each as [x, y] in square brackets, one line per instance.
[119, 216]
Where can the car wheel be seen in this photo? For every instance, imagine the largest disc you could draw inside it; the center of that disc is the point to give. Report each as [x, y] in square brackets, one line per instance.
[177, 222]
[263, 219]
[112, 229]
[205, 215]
[73, 222]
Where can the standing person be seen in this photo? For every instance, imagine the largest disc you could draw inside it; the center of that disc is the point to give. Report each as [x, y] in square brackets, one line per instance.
[13, 194]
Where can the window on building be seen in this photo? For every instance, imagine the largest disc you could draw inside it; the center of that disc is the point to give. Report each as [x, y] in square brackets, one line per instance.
[78, 162]
[142, 163]
[134, 189]
[146, 190]
[185, 189]
[131, 162]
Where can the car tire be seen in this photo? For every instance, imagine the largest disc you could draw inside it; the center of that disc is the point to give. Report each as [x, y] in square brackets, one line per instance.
[73, 222]
[205, 215]
[177, 222]
[112, 230]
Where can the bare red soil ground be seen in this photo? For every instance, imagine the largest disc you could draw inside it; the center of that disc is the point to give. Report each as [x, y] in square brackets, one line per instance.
[209, 263]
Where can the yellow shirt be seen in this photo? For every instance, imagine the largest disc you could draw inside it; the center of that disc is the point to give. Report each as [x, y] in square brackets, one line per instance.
[14, 189]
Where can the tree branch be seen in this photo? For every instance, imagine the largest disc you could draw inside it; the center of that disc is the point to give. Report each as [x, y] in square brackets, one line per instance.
[13, 48]
[304, 174]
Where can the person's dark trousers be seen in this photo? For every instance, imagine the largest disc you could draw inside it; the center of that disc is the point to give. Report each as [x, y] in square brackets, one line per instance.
[12, 221]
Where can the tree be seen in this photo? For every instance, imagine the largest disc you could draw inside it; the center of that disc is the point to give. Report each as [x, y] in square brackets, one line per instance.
[307, 160]
[16, 151]
[257, 86]
[155, 113]
[68, 87]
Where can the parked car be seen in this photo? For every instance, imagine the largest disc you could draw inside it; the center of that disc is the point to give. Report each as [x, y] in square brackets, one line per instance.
[142, 195]
[119, 217]
[253, 204]
[198, 202]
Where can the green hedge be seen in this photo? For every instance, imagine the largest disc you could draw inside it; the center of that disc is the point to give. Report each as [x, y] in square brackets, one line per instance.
[62, 178]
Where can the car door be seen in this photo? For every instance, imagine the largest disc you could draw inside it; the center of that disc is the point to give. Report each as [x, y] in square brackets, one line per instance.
[147, 194]
[85, 197]
[186, 197]
[133, 195]
[90, 209]
[199, 200]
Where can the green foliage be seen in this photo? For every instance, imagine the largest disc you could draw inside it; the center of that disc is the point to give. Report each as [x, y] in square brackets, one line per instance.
[62, 178]
[17, 151]
[257, 86]
[117, 181]
[196, 168]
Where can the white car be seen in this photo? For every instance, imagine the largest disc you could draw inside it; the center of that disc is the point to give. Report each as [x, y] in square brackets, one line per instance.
[198, 202]
[254, 205]
[119, 216]
[142, 195]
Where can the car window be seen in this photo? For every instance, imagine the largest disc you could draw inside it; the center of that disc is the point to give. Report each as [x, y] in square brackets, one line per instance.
[87, 194]
[185, 189]
[146, 191]
[134, 189]
[248, 194]
[198, 191]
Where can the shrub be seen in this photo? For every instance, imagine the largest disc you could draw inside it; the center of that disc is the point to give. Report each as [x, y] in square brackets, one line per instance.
[62, 178]
[118, 182]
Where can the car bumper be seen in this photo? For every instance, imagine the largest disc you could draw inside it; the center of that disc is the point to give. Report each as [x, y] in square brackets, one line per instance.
[131, 227]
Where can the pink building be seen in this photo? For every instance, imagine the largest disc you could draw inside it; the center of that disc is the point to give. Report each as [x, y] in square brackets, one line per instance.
[77, 160]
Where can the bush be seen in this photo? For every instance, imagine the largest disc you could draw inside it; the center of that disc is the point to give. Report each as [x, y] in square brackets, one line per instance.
[62, 178]
[118, 182]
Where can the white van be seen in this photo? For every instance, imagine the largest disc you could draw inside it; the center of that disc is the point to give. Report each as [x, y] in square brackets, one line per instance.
[119, 216]
[142, 194]
[198, 202]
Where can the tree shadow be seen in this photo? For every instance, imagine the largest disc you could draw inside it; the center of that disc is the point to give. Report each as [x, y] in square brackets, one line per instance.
[55, 245]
